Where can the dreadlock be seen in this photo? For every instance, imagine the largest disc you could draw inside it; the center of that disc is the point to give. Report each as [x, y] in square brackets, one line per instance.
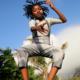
[28, 8]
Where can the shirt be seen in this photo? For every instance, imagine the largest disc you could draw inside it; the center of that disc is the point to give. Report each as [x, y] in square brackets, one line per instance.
[39, 36]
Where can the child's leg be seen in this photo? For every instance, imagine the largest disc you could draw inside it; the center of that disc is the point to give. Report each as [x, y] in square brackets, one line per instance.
[24, 72]
[57, 56]
[23, 54]
[52, 73]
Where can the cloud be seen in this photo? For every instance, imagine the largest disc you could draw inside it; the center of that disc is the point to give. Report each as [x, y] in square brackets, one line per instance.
[72, 53]
[27, 42]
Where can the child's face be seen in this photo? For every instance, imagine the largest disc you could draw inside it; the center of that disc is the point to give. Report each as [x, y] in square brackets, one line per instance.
[37, 12]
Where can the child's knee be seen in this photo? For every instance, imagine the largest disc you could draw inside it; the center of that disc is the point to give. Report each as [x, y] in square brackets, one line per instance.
[22, 53]
[22, 58]
[58, 59]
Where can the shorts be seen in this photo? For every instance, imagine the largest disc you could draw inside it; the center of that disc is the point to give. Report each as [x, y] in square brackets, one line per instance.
[44, 50]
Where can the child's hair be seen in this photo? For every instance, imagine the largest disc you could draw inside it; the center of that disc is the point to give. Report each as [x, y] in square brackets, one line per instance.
[28, 8]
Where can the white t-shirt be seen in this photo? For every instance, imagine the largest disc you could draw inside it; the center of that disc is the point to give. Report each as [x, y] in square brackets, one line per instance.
[49, 22]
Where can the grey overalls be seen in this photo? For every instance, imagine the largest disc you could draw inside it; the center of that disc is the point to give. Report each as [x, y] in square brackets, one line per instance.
[41, 46]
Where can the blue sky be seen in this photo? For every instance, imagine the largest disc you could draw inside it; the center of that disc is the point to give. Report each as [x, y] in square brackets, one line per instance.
[14, 27]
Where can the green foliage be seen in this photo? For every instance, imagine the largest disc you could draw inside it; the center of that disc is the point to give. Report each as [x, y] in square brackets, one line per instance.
[64, 46]
[41, 60]
[38, 78]
[73, 78]
[10, 70]
[31, 73]
[55, 78]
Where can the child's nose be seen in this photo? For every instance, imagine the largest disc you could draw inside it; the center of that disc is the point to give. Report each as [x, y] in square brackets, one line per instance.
[38, 11]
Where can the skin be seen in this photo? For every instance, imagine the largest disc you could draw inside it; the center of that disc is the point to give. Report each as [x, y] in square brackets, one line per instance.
[37, 9]
[54, 70]
[56, 10]
[38, 13]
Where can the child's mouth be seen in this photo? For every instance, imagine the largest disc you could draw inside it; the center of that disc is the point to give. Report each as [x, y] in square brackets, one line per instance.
[39, 14]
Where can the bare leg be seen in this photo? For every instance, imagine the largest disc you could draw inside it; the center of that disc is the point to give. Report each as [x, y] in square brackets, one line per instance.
[24, 72]
[52, 73]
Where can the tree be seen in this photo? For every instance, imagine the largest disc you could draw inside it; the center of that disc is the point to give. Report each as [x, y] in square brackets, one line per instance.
[30, 70]
[8, 67]
[40, 64]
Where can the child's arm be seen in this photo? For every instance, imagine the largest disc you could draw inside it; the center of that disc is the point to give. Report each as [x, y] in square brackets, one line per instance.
[39, 28]
[57, 11]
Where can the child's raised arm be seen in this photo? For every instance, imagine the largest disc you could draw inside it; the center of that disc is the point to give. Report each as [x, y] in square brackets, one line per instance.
[57, 11]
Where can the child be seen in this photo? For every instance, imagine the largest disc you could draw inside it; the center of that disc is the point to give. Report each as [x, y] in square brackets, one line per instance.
[40, 27]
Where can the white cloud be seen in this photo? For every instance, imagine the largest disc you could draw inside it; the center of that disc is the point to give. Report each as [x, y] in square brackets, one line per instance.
[72, 53]
[27, 42]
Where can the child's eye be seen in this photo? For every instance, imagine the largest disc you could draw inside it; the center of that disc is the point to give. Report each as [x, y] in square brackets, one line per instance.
[34, 10]
[39, 9]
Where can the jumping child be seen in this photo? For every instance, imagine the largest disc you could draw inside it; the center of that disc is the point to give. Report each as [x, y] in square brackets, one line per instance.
[40, 28]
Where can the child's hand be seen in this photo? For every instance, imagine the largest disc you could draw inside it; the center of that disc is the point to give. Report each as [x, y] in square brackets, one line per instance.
[41, 29]
[50, 3]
